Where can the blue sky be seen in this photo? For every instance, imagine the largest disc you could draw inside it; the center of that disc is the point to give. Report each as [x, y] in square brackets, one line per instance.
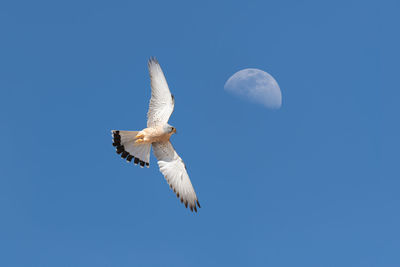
[312, 184]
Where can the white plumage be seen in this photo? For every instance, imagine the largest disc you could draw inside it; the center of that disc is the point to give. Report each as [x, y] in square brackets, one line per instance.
[135, 145]
[174, 171]
[162, 102]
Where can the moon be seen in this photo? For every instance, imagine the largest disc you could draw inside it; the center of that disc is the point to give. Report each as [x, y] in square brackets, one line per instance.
[257, 86]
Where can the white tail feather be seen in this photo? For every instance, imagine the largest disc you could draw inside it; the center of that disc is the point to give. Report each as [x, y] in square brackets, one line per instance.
[124, 141]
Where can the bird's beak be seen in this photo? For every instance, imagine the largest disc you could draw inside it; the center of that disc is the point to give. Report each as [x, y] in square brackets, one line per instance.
[174, 131]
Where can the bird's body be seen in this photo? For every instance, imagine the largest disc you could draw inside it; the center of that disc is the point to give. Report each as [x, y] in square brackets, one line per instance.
[153, 134]
[136, 145]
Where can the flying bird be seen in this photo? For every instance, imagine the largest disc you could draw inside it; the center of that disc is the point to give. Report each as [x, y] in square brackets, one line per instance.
[136, 145]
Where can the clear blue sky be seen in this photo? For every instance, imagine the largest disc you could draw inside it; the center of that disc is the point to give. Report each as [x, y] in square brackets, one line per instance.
[312, 184]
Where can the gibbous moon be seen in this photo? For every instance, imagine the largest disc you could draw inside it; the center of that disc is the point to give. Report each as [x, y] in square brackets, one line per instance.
[256, 85]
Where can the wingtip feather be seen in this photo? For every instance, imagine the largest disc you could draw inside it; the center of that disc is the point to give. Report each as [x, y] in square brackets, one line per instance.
[152, 60]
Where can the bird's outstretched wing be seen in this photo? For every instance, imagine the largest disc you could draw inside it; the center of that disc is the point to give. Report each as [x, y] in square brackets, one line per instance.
[174, 171]
[162, 101]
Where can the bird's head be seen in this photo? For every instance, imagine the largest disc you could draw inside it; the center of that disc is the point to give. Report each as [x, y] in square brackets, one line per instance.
[170, 129]
[173, 130]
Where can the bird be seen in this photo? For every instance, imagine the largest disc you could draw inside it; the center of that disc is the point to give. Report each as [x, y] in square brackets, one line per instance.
[136, 145]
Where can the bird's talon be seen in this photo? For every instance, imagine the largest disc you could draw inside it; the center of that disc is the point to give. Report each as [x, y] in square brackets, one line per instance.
[139, 136]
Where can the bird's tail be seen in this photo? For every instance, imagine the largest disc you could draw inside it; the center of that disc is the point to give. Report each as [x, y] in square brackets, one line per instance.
[124, 141]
